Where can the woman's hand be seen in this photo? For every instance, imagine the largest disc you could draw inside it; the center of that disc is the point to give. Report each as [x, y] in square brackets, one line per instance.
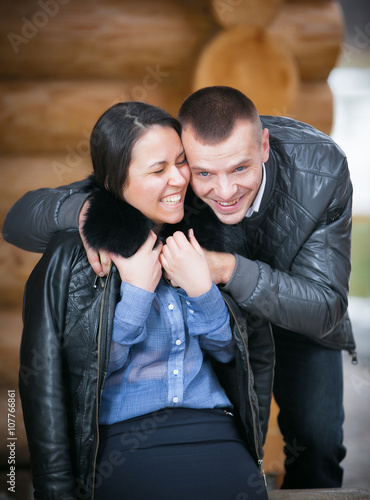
[143, 269]
[185, 264]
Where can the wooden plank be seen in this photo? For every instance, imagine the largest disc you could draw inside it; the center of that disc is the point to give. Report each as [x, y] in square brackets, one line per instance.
[94, 39]
[314, 105]
[252, 61]
[43, 116]
[314, 32]
[246, 12]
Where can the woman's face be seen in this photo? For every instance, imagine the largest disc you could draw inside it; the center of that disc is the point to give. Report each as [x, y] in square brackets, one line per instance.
[158, 176]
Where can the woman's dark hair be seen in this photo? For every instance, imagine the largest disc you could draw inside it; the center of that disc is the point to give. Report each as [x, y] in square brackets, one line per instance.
[114, 136]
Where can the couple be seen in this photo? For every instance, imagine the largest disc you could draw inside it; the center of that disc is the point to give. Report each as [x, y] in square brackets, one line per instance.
[273, 224]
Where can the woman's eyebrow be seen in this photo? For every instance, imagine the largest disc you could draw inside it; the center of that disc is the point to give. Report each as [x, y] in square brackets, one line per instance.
[164, 162]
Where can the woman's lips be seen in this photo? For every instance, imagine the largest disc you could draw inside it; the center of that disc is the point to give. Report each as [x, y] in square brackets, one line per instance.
[172, 199]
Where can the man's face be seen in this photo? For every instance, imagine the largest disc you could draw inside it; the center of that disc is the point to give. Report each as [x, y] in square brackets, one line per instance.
[227, 176]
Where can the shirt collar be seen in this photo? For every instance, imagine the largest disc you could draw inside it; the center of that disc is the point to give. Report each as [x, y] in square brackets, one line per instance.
[257, 201]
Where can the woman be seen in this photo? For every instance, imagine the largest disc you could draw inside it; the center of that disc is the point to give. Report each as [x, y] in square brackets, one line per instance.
[118, 375]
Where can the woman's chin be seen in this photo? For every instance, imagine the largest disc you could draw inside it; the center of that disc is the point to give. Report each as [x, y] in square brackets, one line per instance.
[174, 218]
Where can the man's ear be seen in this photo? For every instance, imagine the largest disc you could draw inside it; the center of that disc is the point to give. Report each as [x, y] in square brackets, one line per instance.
[265, 145]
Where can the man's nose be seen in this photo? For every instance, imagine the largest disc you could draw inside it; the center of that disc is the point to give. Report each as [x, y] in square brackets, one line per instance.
[224, 189]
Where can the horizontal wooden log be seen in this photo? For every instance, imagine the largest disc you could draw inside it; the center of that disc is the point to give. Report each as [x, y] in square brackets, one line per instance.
[252, 61]
[19, 174]
[257, 13]
[10, 339]
[43, 116]
[94, 39]
[314, 105]
[314, 32]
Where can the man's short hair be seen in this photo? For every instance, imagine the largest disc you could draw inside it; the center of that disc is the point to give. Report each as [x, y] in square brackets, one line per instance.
[212, 113]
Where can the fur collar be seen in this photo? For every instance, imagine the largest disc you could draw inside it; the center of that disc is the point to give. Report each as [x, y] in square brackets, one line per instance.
[115, 226]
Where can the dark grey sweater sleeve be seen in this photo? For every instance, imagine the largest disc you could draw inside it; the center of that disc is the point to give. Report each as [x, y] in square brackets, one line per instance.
[38, 215]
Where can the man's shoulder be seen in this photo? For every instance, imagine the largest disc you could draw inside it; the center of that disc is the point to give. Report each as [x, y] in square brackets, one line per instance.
[299, 146]
[287, 130]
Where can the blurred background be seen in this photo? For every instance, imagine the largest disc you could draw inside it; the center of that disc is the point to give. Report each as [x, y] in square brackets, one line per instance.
[64, 62]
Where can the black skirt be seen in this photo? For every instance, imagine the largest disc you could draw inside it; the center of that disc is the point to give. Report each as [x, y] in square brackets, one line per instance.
[176, 454]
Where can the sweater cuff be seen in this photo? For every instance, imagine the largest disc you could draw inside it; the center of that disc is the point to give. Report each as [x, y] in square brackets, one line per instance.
[244, 279]
[70, 210]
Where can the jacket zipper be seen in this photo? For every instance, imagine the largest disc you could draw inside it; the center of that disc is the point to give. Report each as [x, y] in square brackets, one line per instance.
[259, 460]
[98, 383]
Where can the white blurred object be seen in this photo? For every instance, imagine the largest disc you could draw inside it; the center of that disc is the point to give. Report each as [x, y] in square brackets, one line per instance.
[351, 130]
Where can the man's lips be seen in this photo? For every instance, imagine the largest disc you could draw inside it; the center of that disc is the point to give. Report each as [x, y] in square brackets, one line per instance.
[228, 203]
[226, 206]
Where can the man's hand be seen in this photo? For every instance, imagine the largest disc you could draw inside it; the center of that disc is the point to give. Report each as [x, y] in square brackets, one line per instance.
[221, 266]
[143, 269]
[185, 264]
[99, 261]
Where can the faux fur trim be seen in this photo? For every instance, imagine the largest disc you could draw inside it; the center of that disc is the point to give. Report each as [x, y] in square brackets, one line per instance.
[115, 226]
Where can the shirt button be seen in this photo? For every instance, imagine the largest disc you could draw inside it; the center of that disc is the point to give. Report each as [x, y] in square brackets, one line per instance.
[175, 372]
[178, 342]
[191, 311]
[170, 307]
[175, 399]
[188, 303]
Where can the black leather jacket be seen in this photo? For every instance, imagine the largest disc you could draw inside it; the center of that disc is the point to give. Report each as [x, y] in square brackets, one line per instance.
[68, 319]
[293, 266]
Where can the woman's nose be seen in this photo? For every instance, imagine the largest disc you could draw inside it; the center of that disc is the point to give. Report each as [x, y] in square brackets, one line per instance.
[177, 177]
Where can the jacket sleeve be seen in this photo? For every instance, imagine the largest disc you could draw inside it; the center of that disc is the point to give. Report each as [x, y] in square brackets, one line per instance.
[38, 215]
[312, 296]
[41, 373]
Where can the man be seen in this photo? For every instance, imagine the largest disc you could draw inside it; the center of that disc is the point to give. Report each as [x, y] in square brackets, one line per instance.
[287, 187]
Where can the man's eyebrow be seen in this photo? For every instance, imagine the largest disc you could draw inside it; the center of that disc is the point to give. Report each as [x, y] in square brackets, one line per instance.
[241, 162]
[201, 169]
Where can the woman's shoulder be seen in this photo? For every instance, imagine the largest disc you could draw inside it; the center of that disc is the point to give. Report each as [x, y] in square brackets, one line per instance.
[65, 241]
[63, 252]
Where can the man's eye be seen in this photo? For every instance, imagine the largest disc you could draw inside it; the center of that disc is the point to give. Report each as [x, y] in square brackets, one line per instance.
[159, 171]
[239, 169]
[203, 174]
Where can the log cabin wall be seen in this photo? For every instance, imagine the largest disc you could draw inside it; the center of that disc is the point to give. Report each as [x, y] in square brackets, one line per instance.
[64, 62]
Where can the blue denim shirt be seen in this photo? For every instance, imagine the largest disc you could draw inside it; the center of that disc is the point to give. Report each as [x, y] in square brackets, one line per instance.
[160, 350]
